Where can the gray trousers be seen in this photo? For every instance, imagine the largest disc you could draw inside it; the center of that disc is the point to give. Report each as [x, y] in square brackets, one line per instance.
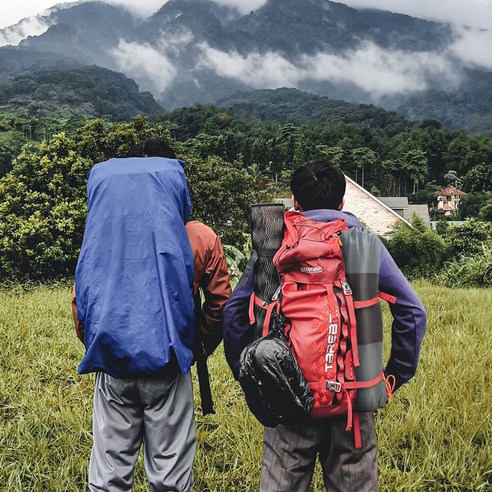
[290, 452]
[157, 411]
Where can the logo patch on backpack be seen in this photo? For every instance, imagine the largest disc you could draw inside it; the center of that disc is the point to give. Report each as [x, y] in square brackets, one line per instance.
[317, 269]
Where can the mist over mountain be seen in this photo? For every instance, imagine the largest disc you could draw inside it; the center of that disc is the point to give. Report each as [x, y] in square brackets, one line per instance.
[198, 51]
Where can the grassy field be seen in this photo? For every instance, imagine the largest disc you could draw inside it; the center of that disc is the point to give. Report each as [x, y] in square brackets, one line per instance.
[435, 434]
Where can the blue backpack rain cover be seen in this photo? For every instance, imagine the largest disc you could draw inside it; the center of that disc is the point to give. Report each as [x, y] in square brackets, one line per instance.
[135, 270]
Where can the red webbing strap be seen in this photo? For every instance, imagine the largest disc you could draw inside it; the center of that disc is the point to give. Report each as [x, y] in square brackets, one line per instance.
[357, 436]
[390, 381]
[254, 299]
[353, 328]
[251, 311]
[350, 411]
[366, 303]
[365, 384]
[268, 317]
[387, 297]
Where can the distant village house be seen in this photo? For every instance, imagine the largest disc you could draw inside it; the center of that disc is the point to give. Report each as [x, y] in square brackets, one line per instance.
[448, 200]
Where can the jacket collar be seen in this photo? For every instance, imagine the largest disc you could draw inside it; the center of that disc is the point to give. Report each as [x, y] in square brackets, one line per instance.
[327, 215]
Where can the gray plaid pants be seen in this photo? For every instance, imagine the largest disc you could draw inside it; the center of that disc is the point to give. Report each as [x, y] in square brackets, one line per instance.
[290, 452]
[157, 411]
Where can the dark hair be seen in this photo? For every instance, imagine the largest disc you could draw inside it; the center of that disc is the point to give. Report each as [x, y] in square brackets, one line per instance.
[135, 151]
[318, 184]
[154, 147]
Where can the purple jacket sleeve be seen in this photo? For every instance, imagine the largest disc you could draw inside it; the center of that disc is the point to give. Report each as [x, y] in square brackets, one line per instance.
[238, 333]
[409, 323]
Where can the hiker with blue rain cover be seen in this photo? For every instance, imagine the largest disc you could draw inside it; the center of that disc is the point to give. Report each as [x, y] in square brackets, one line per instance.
[134, 310]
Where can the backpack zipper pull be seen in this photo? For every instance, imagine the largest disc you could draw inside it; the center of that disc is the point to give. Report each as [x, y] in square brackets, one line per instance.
[277, 293]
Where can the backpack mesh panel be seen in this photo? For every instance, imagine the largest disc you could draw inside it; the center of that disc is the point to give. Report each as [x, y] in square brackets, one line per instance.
[267, 226]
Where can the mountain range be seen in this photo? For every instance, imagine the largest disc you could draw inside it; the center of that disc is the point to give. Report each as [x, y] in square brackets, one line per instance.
[197, 51]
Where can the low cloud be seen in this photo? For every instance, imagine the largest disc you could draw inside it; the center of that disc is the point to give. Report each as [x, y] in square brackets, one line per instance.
[243, 6]
[473, 48]
[32, 26]
[151, 69]
[256, 70]
[375, 70]
[145, 8]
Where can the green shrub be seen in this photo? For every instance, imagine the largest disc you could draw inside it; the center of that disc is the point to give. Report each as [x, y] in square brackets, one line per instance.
[419, 252]
[469, 271]
[221, 196]
[468, 238]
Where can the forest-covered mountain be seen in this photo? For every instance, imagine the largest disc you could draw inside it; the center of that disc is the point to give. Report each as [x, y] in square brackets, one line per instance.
[298, 107]
[91, 92]
[195, 51]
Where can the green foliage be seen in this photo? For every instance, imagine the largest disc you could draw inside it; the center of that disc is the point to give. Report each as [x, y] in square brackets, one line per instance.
[5, 163]
[298, 107]
[469, 270]
[486, 212]
[419, 252]
[91, 92]
[442, 227]
[221, 197]
[232, 162]
[468, 238]
[235, 261]
[413, 161]
[42, 211]
[471, 205]
[478, 178]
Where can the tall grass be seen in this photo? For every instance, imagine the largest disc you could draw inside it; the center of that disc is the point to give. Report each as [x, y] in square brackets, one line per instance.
[435, 434]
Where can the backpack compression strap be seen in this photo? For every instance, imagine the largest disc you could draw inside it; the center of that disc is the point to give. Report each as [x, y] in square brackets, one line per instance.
[255, 300]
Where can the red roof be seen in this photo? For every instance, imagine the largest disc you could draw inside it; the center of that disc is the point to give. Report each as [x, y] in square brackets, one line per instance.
[451, 190]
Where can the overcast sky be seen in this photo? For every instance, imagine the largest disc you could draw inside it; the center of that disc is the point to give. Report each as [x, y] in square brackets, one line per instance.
[472, 12]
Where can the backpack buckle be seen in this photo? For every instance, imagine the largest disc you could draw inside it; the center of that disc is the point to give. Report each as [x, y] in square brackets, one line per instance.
[346, 289]
[334, 386]
[277, 293]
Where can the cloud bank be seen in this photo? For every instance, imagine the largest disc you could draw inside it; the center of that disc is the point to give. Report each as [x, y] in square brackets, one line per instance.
[473, 47]
[150, 68]
[377, 71]
[372, 69]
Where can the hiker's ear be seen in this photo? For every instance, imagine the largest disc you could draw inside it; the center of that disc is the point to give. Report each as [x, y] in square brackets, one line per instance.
[295, 204]
[342, 203]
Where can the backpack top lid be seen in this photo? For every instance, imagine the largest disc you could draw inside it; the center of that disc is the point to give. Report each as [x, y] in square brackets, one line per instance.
[306, 246]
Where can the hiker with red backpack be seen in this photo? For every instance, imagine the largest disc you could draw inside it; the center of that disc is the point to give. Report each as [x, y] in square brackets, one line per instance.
[327, 324]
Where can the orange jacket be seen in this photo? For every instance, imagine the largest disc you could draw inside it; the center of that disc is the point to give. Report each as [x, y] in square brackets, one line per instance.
[212, 278]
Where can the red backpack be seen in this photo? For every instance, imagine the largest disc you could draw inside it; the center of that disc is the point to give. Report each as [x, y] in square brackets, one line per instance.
[319, 309]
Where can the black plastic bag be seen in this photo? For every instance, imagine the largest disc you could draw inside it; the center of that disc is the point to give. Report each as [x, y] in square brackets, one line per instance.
[274, 387]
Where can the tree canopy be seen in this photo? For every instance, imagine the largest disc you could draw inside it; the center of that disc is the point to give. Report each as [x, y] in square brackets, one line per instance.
[231, 162]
